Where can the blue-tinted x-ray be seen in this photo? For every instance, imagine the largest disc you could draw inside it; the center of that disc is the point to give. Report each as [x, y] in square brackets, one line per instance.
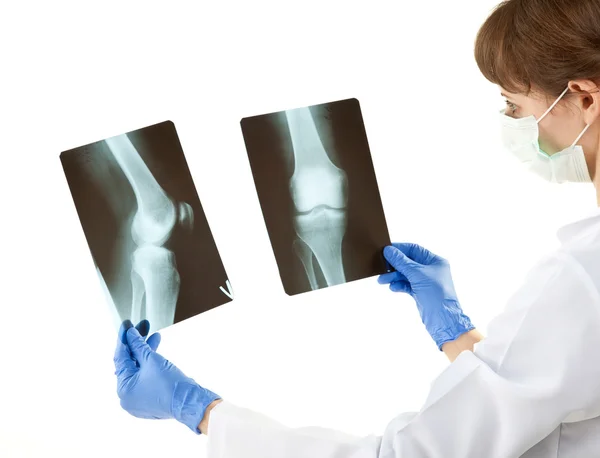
[149, 238]
[318, 192]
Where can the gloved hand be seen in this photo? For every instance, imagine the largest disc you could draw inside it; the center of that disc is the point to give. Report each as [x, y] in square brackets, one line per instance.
[426, 277]
[149, 386]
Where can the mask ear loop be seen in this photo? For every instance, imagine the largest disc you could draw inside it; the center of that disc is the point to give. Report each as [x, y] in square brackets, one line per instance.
[580, 135]
[552, 106]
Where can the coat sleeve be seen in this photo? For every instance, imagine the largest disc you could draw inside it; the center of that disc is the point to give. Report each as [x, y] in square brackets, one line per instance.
[537, 368]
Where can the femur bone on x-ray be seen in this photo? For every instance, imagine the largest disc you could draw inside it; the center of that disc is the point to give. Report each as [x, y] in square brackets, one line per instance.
[154, 274]
[319, 192]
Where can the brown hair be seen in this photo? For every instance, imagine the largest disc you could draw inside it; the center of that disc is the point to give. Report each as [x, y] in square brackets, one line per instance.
[540, 44]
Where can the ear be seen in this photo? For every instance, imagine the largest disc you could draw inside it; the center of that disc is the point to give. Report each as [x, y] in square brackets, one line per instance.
[587, 98]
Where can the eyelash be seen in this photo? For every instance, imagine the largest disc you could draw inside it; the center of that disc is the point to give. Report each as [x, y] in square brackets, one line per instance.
[511, 105]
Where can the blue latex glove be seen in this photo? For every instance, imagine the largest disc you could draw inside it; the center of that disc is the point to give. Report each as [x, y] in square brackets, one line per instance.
[149, 386]
[426, 277]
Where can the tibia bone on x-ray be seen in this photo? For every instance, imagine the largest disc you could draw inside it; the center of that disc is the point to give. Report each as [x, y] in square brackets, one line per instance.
[319, 191]
[154, 272]
[154, 275]
[305, 254]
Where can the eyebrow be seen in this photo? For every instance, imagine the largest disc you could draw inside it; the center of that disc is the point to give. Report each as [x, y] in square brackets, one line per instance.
[510, 99]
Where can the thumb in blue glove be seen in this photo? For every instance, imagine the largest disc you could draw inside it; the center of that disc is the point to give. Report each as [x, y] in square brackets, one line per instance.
[427, 278]
[150, 386]
[143, 328]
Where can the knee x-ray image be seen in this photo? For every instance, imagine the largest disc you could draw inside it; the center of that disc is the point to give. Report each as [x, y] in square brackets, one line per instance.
[318, 193]
[149, 238]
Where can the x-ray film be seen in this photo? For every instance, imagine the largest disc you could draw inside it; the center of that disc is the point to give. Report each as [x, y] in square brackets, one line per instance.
[149, 238]
[318, 193]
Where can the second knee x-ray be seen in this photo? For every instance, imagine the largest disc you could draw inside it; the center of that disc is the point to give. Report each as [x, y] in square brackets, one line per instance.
[149, 238]
[318, 192]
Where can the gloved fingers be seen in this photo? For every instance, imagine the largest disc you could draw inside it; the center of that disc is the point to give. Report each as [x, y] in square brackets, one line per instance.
[402, 263]
[125, 325]
[387, 278]
[122, 359]
[154, 341]
[391, 277]
[124, 365]
[416, 252]
[401, 287]
[143, 327]
[138, 345]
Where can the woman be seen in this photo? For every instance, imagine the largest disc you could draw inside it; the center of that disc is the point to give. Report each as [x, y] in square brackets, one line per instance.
[531, 388]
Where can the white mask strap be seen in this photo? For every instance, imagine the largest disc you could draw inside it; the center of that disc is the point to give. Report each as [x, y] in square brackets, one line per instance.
[555, 102]
[580, 135]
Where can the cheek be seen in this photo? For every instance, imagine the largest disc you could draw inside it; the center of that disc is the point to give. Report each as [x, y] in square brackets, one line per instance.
[555, 134]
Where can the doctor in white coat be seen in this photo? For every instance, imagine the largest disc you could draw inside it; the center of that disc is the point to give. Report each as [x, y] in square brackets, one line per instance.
[531, 388]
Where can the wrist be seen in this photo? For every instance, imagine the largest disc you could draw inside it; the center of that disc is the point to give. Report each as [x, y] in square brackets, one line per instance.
[464, 342]
[447, 324]
[203, 426]
[190, 402]
[455, 320]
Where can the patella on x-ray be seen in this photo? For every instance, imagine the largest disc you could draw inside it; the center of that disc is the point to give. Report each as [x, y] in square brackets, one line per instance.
[318, 192]
[149, 238]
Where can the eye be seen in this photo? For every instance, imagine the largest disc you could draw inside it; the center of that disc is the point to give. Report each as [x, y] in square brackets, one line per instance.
[511, 105]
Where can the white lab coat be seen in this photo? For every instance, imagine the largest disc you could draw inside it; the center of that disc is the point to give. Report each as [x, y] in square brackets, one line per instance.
[531, 388]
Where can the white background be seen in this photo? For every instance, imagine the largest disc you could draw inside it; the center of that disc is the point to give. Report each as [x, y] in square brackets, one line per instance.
[349, 357]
